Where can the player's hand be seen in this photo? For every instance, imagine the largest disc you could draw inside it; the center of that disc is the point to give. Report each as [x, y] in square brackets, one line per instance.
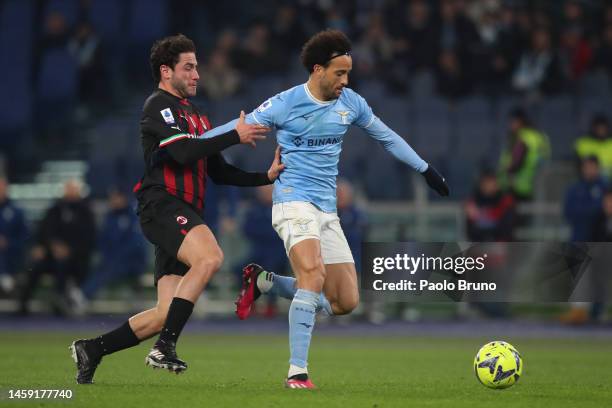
[276, 167]
[250, 133]
[436, 181]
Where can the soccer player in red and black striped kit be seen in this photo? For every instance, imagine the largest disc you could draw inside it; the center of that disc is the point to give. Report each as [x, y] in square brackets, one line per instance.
[171, 199]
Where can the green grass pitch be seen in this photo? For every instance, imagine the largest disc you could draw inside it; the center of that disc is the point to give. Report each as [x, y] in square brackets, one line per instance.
[247, 371]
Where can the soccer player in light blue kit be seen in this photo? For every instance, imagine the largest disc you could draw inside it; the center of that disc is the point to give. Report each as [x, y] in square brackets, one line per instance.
[311, 120]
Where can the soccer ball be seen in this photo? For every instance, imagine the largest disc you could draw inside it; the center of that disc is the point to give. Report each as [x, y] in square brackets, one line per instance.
[498, 365]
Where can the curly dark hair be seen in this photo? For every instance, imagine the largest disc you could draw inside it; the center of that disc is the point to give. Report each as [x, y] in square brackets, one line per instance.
[322, 47]
[167, 52]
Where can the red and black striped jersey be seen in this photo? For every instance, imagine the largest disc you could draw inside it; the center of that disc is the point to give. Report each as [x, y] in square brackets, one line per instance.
[176, 160]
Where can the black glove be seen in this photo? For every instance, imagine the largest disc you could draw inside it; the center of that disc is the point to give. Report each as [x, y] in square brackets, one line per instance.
[436, 181]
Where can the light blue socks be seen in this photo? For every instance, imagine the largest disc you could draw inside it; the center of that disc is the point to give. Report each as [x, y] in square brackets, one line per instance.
[305, 304]
[301, 322]
[284, 286]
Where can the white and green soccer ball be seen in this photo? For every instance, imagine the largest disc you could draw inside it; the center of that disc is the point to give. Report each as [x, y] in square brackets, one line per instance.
[498, 365]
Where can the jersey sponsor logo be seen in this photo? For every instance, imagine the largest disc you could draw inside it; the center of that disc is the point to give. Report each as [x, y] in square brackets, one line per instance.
[298, 141]
[324, 141]
[264, 106]
[344, 116]
[181, 220]
[167, 115]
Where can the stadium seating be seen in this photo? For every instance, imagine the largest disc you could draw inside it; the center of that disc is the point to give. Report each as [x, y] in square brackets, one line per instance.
[115, 154]
[557, 118]
[473, 128]
[373, 92]
[68, 8]
[228, 109]
[432, 127]
[398, 114]
[385, 178]
[16, 33]
[592, 106]
[146, 27]
[261, 89]
[595, 84]
[57, 80]
[422, 85]
[147, 21]
[19, 92]
[109, 29]
[16, 26]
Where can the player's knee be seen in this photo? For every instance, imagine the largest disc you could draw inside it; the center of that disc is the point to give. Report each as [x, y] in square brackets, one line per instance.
[347, 304]
[216, 260]
[207, 267]
[313, 270]
[210, 263]
[313, 275]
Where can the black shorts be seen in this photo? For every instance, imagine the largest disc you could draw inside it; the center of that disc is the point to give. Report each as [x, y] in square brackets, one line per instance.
[165, 221]
[166, 264]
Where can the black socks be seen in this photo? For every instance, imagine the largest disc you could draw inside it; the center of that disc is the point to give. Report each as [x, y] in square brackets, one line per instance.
[178, 314]
[119, 339]
[123, 337]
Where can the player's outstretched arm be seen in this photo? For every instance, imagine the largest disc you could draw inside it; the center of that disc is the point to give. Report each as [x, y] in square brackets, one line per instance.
[219, 130]
[250, 133]
[222, 172]
[244, 124]
[189, 150]
[186, 149]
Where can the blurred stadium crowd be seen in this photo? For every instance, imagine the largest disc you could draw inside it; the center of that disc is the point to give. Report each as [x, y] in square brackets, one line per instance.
[504, 96]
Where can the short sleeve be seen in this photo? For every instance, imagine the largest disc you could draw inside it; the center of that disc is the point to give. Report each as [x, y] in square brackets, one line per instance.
[269, 112]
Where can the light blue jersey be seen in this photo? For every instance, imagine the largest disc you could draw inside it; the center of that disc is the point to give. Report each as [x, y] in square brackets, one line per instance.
[310, 134]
